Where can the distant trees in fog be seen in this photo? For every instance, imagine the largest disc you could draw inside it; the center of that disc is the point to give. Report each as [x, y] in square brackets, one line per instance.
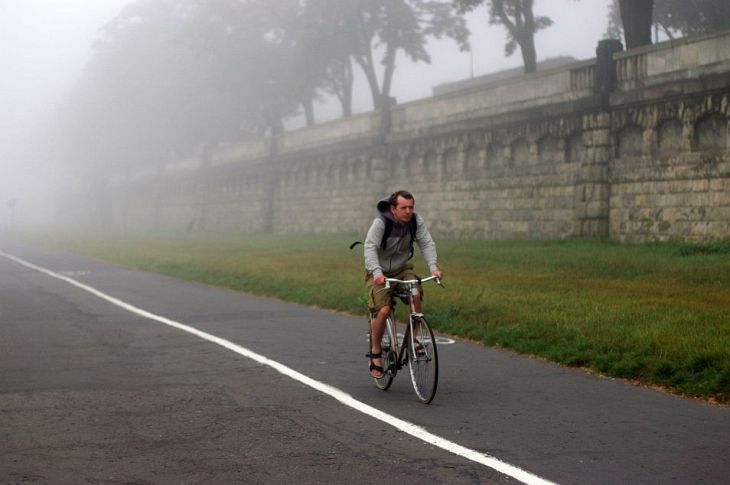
[167, 76]
[170, 76]
[517, 16]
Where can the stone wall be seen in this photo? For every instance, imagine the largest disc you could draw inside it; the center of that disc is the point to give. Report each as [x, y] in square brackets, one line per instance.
[670, 175]
[638, 154]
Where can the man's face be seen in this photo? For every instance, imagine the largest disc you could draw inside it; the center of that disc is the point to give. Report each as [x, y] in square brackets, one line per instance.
[403, 210]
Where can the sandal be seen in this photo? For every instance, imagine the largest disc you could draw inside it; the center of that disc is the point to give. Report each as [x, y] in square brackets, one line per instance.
[375, 355]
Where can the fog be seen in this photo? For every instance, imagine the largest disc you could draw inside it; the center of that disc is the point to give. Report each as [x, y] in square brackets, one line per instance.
[46, 44]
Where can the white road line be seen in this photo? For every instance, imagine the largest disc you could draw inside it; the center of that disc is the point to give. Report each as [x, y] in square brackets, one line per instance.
[400, 424]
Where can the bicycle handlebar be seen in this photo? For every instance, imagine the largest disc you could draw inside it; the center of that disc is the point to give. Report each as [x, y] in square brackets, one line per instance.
[388, 281]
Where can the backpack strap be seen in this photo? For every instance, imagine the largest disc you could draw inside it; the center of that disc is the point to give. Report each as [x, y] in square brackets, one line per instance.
[386, 232]
[412, 226]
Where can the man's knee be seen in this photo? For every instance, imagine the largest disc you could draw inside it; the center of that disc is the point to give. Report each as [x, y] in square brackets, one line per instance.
[384, 312]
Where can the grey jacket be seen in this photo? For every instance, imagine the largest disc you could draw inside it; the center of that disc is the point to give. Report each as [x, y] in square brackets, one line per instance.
[397, 248]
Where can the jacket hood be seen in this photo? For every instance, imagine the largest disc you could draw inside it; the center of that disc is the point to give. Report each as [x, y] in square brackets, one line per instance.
[384, 209]
[384, 206]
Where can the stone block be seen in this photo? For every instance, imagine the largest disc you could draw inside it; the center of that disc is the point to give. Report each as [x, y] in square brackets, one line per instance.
[720, 199]
[594, 228]
[597, 138]
[720, 184]
[596, 120]
[597, 209]
[597, 154]
[594, 173]
[721, 214]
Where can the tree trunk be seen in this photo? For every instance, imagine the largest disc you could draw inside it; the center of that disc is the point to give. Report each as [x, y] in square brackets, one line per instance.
[529, 55]
[636, 17]
[308, 106]
[347, 90]
[522, 30]
[526, 38]
[369, 71]
[388, 75]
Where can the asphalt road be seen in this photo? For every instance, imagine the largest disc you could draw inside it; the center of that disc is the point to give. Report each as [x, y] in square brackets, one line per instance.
[91, 392]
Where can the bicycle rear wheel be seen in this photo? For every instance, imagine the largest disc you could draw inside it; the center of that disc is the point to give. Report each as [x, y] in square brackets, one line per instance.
[388, 353]
[423, 360]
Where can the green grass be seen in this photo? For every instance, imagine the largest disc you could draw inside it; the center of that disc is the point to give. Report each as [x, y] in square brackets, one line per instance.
[655, 313]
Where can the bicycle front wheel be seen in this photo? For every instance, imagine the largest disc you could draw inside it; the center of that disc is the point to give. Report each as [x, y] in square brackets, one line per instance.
[423, 360]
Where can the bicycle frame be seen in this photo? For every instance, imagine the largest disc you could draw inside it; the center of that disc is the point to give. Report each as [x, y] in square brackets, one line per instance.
[409, 291]
[417, 350]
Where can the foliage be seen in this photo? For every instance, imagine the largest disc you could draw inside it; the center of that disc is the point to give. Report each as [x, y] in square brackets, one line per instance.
[169, 76]
[518, 18]
[636, 18]
[135, 74]
[675, 17]
[640, 312]
[251, 52]
[695, 17]
[393, 26]
[326, 49]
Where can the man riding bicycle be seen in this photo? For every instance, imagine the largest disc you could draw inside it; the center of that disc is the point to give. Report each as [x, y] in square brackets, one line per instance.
[388, 248]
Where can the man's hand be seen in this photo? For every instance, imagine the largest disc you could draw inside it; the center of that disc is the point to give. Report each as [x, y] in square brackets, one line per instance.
[438, 274]
[379, 280]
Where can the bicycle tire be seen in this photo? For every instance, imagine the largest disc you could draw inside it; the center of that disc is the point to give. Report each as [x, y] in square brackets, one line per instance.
[423, 365]
[388, 351]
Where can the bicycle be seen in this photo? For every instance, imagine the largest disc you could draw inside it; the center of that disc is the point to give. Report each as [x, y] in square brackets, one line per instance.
[417, 350]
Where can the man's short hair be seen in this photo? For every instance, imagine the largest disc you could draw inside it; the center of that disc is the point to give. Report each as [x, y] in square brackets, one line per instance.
[393, 199]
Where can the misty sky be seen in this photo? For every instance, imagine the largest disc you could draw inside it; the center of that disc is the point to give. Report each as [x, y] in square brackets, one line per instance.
[45, 44]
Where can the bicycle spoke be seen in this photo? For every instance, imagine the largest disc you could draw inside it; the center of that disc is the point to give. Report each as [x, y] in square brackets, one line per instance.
[423, 360]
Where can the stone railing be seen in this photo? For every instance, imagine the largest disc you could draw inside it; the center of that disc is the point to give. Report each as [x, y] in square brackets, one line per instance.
[240, 152]
[638, 66]
[630, 70]
[545, 87]
[582, 76]
[536, 89]
[341, 130]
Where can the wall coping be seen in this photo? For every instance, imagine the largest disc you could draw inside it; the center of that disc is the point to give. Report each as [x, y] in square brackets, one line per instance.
[671, 43]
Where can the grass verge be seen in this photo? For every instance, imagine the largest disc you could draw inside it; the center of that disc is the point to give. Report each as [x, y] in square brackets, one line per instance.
[655, 313]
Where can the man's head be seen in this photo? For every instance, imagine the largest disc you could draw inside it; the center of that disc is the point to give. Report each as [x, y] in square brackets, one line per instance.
[401, 206]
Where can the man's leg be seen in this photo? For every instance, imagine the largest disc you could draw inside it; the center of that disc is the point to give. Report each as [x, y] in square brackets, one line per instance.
[409, 274]
[379, 304]
[377, 330]
[417, 302]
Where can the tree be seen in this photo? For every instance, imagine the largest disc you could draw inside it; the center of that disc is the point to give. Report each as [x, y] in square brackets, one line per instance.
[636, 18]
[250, 52]
[695, 17]
[127, 107]
[326, 48]
[518, 18]
[675, 17]
[397, 25]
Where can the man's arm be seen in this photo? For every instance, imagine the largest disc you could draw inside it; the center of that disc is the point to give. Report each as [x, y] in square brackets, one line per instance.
[372, 243]
[428, 247]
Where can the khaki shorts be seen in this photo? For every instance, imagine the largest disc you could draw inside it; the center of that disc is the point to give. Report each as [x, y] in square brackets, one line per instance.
[378, 296]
